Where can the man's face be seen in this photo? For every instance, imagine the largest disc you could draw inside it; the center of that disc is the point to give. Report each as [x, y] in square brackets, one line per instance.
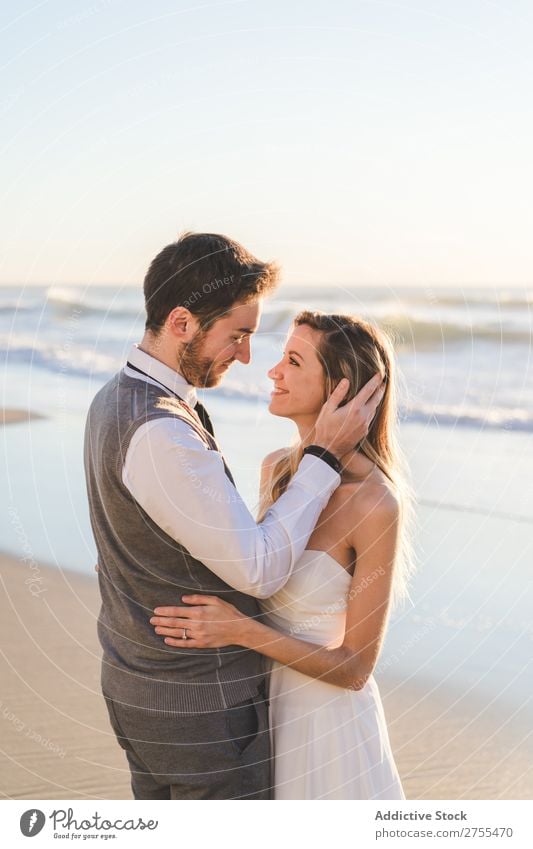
[206, 359]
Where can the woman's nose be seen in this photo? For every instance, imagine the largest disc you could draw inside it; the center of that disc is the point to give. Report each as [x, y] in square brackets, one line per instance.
[274, 372]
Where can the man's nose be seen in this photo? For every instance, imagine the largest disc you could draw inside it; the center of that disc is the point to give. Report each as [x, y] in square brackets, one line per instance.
[244, 352]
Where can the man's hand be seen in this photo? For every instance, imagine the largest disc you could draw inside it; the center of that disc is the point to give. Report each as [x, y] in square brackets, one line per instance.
[206, 622]
[339, 429]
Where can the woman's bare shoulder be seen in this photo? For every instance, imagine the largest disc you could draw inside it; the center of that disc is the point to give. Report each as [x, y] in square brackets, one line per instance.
[366, 508]
[376, 495]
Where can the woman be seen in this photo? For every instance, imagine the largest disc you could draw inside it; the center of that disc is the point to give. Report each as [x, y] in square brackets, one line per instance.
[324, 629]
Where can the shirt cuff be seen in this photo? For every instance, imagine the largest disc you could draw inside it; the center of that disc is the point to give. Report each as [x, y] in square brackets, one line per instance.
[316, 477]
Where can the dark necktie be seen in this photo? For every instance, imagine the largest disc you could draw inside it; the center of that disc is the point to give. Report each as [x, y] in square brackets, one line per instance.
[207, 424]
[199, 409]
[204, 417]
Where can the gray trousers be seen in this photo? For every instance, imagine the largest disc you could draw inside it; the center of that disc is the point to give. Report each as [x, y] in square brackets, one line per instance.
[222, 755]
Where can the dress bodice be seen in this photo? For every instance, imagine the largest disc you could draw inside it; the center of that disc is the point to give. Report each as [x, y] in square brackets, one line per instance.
[312, 604]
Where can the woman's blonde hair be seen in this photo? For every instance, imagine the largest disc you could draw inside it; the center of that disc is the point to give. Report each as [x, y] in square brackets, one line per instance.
[351, 347]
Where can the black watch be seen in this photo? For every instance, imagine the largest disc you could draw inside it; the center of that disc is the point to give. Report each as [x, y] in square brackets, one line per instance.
[326, 456]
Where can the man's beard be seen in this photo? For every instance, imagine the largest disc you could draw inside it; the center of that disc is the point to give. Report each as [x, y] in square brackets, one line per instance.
[197, 369]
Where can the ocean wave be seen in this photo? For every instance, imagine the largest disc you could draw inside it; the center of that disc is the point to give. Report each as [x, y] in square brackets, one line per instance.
[59, 359]
[418, 332]
[472, 299]
[413, 331]
[13, 306]
[449, 415]
[118, 304]
[276, 318]
[77, 361]
[407, 319]
[412, 328]
[468, 297]
[502, 418]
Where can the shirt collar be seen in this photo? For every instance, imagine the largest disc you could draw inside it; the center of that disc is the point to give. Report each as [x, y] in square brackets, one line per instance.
[157, 370]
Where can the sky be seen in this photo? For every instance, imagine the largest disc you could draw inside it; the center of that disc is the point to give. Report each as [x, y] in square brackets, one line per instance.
[357, 143]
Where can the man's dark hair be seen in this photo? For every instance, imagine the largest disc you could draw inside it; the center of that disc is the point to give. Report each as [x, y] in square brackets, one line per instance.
[207, 273]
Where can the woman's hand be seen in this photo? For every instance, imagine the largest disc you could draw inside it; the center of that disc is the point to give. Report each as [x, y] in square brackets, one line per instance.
[208, 623]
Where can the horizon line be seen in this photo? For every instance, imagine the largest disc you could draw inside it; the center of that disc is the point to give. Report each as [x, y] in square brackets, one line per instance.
[286, 284]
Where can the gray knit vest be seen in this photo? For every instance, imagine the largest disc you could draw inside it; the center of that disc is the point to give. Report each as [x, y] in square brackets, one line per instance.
[141, 567]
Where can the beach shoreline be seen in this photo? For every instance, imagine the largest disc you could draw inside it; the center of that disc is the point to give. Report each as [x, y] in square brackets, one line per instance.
[58, 743]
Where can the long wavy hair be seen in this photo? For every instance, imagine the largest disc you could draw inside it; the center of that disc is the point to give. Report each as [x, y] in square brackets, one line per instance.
[352, 348]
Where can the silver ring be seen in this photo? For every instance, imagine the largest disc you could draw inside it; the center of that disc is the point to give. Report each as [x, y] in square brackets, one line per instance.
[185, 637]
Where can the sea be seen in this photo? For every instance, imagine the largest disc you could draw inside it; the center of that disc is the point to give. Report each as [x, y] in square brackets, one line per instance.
[465, 355]
[465, 360]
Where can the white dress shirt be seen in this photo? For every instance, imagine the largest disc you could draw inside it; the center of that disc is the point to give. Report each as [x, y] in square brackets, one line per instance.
[183, 487]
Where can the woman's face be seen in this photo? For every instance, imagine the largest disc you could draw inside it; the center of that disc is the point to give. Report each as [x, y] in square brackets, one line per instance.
[298, 377]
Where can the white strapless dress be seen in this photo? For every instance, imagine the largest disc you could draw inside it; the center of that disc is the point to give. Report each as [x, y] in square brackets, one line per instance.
[327, 742]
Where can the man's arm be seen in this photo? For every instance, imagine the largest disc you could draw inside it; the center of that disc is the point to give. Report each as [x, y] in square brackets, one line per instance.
[184, 489]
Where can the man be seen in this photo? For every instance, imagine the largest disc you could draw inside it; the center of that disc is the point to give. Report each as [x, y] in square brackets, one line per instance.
[168, 521]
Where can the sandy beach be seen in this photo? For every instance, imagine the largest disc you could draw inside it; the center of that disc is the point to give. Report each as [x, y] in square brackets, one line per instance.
[55, 735]
[57, 743]
[456, 731]
[14, 416]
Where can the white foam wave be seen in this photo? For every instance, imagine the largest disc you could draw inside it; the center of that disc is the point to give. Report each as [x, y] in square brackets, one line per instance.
[58, 358]
[85, 301]
[79, 361]
[419, 332]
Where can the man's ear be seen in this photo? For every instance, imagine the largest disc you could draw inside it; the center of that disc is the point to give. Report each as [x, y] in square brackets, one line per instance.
[182, 324]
